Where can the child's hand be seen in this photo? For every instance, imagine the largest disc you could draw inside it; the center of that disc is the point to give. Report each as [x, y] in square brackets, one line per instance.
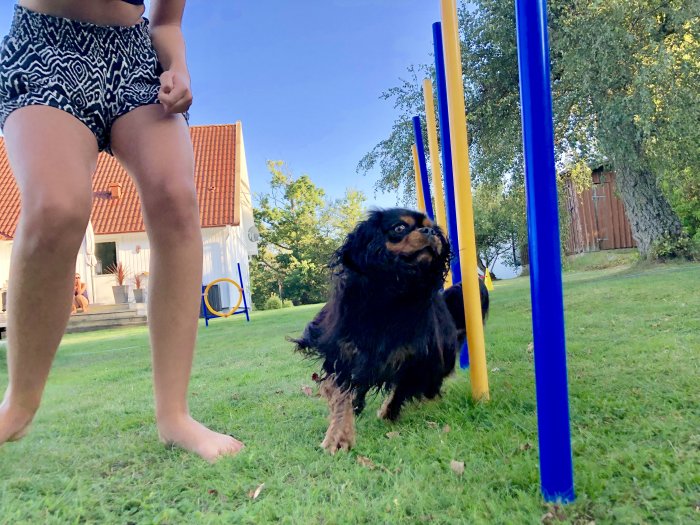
[175, 94]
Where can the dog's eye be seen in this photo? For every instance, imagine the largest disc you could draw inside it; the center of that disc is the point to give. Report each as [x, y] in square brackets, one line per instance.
[400, 228]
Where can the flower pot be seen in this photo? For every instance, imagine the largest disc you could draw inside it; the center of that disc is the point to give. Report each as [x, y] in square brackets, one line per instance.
[138, 295]
[121, 294]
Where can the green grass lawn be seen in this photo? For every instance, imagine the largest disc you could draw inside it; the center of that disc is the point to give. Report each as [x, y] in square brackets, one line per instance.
[634, 348]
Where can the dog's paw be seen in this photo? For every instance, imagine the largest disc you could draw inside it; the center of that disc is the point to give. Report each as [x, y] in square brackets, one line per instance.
[341, 433]
[338, 439]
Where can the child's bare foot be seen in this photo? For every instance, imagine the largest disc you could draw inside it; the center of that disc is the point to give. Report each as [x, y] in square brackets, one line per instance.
[193, 436]
[14, 423]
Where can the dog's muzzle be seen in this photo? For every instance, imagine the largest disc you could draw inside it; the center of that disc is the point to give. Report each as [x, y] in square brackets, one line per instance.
[433, 239]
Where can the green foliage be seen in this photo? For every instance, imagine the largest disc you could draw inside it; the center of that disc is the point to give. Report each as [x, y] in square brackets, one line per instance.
[683, 190]
[272, 303]
[275, 303]
[499, 220]
[299, 230]
[671, 247]
[393, 154]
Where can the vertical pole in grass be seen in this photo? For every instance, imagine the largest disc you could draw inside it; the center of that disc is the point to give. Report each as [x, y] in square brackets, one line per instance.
[444, 120]
[463, 201]
[423, 168]
[434, 149]
[420, 200]
[556, 465]
[245, 301]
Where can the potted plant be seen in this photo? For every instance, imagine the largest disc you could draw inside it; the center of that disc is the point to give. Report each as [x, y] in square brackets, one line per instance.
[121, 291]
[138, 290]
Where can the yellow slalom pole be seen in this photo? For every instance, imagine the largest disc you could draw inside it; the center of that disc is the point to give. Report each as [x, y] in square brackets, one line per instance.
[440, 212]
[463, 198]
[487, 280]
[419, 185]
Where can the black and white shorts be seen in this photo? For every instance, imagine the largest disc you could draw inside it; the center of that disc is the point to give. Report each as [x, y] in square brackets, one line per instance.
[95, 73]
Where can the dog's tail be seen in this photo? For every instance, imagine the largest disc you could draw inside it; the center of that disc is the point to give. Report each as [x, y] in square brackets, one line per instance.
[307, 344]
[455, 304]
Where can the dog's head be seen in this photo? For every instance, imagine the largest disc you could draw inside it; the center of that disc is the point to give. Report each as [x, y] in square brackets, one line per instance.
[396, 245]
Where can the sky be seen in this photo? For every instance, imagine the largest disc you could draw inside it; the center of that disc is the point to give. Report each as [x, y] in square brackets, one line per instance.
[304, 77]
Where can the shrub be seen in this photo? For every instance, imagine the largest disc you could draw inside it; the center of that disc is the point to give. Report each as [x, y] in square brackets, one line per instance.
[671, 247]
[273, 303]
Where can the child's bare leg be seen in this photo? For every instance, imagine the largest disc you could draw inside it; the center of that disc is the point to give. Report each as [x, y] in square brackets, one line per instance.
[52, 156]
[157, 151]
[81, 302]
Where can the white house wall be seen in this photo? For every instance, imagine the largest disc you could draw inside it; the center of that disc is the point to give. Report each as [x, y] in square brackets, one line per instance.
[5, 251]
[134, 252]
[223, 249]
[246, 202]
[238, 246]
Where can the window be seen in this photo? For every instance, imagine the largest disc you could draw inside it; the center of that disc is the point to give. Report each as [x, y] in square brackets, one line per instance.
[106, 255]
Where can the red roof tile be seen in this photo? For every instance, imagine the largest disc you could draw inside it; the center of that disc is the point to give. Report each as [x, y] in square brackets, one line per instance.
[217, 169]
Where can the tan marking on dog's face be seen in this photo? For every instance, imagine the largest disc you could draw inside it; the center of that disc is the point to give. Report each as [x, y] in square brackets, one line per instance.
[413, 242]
[408, 220]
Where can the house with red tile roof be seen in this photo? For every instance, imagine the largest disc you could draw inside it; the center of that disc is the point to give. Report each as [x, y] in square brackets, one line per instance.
[225, 206]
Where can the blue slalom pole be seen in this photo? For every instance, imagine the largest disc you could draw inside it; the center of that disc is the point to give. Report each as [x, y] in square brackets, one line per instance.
[205, 310]
[444, 119]
[418, 133]
[245, 302]
[446, 143]
[556, 463]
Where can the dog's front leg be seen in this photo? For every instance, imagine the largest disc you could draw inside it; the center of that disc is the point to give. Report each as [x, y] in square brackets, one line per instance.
[341, 430]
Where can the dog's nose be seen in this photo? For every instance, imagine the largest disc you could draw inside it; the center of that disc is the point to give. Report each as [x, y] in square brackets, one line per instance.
[430, 232]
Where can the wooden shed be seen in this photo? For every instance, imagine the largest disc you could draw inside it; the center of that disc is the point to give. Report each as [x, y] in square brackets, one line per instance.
[597, 219]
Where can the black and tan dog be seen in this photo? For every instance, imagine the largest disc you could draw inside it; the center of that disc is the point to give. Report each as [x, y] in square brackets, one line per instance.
[386, 325]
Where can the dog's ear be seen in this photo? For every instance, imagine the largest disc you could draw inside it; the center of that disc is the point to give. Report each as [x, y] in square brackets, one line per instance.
[362, 246]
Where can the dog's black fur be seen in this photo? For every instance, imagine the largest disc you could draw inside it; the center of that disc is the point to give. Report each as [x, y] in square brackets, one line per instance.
[455, 304]
[387, 325]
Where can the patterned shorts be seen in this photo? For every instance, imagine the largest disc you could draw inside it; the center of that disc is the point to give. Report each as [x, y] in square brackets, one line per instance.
[95, 73]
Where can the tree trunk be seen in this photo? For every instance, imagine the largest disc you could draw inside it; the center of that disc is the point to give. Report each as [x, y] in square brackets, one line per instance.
[649, 213]
[482, 266]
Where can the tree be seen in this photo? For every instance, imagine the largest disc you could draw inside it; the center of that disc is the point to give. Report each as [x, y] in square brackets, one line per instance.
[626, 84]
[499, 224]
[623, 74]
[299, 230]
